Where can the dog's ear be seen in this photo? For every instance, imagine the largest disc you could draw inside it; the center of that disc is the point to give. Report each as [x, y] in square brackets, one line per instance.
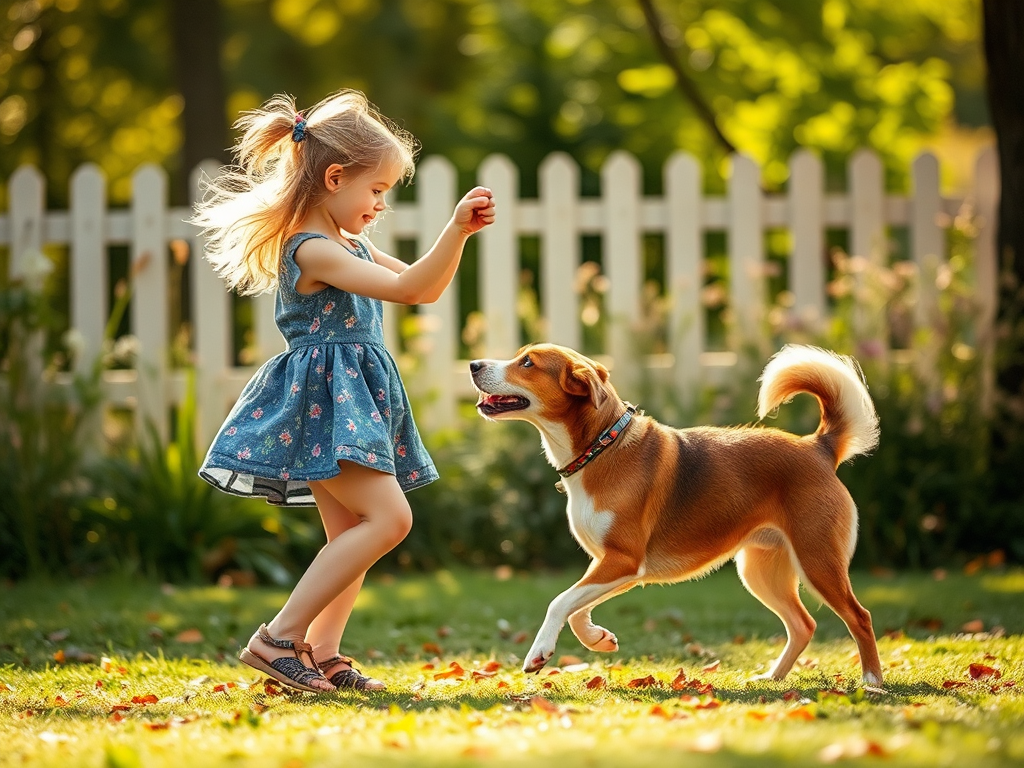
[586, 380]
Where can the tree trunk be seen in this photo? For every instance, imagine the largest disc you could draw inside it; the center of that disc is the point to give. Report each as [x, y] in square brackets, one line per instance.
[196, 28]
[1004, 53]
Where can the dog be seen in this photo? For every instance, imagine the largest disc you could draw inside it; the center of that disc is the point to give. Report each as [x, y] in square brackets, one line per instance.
[652, 504]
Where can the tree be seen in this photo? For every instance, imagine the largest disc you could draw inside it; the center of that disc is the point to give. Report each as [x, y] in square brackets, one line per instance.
[200, 80]
[1004, 53]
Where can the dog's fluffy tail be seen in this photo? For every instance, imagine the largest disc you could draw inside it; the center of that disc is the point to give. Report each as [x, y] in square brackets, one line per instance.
[849, 424]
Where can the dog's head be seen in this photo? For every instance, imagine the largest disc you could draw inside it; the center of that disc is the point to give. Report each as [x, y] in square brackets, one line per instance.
[543, 382]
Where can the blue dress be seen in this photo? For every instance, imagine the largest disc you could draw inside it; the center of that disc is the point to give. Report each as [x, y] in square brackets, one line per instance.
[334, 395]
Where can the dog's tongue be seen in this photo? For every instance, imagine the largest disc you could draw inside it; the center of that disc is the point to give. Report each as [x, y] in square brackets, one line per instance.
[496, 399]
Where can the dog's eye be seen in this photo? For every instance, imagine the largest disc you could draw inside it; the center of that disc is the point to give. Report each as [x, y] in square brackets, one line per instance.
[527, 362]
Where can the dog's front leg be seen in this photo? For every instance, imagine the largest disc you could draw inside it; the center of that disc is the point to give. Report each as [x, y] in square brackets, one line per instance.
[614, 573]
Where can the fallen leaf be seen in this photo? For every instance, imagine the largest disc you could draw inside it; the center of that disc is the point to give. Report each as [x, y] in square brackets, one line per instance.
[60, 656]
[791, 695]
[60, 701]
[973, 627]
[428, 665]
[643, 682]
[433, 648]
[59, 636]
[710, 704]
[568, 661]
[157, 726]
[502, 684]
[190, 636]
[149, 698]
[983, 672]
[492, 666]
[759, 716]
[554, 672]
[116, 717]
[680, 681]
[521, 637]
[120, 708]
[947, 684]
[542, 705]
[739, 640]
[712, 667]
[454, 670]
[271, 688]
[479, 674]
[801, 713]
[444, 631]
[596, 682]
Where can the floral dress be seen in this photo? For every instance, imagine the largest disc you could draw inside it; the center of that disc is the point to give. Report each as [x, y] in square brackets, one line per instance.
[335, 395]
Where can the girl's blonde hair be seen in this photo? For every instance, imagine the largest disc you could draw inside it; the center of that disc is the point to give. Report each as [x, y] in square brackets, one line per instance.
[251, 207]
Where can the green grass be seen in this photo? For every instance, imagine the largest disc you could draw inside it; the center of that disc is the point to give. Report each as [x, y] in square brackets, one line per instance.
[64, 715]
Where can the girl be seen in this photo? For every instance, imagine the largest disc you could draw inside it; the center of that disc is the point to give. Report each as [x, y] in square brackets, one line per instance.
[327, 422]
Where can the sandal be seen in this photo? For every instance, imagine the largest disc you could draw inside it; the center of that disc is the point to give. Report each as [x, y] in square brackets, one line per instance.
[348, 678]
[288, 670]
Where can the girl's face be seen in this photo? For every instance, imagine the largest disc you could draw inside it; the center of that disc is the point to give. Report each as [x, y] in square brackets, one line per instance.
[354, 201]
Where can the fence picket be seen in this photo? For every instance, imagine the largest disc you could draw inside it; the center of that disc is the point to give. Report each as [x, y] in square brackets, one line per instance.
[927, 238]
[867, 205]
[149, 310]
[499, 259]
[684, 271]
[88, 268]
[28, 195]
[435, 200]
[746, 248]
[622, 260]
[806, 225]
[560, 248]
[212, 325]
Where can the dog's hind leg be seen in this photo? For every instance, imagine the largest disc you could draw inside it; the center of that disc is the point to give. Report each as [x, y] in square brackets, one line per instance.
[607, 577]
[769, 576]
[825, 560]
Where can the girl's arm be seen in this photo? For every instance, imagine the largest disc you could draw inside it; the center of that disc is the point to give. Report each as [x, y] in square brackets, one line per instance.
[325, 262]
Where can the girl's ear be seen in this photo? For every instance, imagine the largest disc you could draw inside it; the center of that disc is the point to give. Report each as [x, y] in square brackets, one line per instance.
[333, 177]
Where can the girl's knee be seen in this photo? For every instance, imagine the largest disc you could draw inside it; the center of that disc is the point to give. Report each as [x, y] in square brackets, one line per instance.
[398, 525]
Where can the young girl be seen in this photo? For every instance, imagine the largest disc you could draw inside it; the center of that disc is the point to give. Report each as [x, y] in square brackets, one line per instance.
[327, 422]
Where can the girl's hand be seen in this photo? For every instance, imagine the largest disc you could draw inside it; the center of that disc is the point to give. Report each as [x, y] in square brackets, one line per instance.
[474, 211]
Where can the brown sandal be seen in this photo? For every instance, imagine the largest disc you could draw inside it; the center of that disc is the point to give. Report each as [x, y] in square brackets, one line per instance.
[288, 670]
[347, 678]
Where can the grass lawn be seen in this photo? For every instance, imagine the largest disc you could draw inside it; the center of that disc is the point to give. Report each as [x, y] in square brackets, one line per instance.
[119, 673]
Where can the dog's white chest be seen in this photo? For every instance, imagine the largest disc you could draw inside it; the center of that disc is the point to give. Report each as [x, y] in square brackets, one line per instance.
[588, 525]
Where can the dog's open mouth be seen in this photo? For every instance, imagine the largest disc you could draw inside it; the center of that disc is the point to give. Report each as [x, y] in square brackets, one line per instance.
[489, 405]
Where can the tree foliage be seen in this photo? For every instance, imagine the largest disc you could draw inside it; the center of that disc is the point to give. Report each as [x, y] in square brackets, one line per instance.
[94, 79]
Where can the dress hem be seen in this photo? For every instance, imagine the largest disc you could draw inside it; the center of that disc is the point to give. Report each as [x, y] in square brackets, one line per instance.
[425, 474]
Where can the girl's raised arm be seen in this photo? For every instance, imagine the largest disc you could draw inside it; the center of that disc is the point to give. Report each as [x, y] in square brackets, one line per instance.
[323, 262]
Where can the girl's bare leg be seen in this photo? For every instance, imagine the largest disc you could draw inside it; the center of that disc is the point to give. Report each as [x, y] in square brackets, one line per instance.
[376, 500]
[325, 633]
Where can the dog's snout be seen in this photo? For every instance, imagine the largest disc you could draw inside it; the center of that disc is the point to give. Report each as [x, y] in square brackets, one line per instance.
[475, 366]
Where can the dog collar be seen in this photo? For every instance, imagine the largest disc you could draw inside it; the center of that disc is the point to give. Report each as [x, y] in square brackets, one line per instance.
[603, 440]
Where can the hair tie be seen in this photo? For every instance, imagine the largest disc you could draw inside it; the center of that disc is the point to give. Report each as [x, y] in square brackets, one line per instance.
[299, 131]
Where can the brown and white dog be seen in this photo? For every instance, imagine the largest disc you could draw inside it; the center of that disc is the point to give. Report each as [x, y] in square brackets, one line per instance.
[652, 504]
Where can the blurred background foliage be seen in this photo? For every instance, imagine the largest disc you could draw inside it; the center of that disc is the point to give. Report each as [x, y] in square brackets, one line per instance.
[102, 81]
[95, 79]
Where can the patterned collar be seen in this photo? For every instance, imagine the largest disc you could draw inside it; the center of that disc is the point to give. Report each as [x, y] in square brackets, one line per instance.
[603, 440]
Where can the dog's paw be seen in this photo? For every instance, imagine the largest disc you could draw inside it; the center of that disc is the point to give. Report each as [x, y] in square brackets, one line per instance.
[606, 643]
[536, 660]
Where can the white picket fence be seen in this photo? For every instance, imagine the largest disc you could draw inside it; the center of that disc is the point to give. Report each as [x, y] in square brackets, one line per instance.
[559, 216]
